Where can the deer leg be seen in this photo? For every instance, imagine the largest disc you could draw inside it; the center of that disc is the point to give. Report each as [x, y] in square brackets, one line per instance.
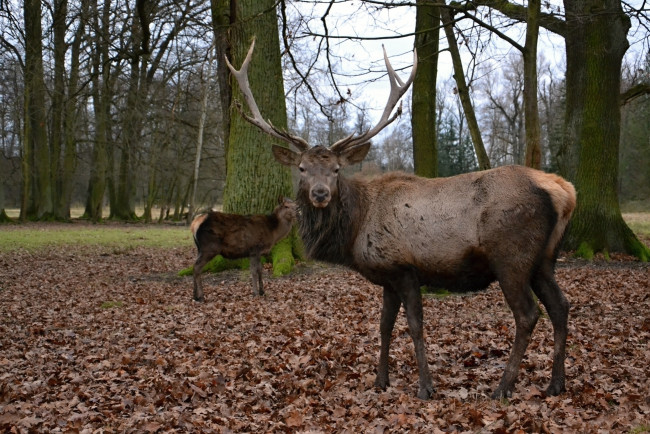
[256, 274]
[412, 299]
[390, 309]
[201, 260]
[557, 307]
[526, 312]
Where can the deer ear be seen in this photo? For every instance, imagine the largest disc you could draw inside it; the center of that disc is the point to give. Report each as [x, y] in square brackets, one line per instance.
[285, 156]
[354, 155]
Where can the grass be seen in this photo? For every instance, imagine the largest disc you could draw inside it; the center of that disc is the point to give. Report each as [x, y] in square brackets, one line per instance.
[639, 222]
[34, 237]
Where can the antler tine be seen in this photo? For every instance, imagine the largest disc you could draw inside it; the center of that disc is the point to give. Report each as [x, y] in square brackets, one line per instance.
[397, 89]
[256, 119]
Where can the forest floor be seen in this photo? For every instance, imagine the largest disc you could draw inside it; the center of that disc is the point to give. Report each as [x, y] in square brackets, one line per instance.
[99, 339]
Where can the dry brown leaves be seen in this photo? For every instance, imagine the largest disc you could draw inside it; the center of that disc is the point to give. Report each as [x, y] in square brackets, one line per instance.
[104, 340]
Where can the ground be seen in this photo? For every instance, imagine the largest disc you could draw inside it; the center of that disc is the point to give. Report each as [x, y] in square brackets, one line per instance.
[96, 339]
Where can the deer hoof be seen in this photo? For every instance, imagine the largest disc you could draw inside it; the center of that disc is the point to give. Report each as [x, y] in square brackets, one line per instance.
[199, 299]
[501, 394]
[426, 392]
[381, 383]
[555, 389]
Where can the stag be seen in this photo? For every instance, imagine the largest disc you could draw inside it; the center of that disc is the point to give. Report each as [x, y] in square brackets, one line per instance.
[401, 231]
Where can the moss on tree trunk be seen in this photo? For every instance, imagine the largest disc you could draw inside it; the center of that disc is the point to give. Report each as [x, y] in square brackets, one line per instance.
[594, 56]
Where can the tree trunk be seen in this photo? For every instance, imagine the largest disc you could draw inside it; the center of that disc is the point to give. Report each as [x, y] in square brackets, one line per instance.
[531, 110]
[595, 45]
[101, 104]
[254, 180]
[37, 149]
[223, 16]
[463, 90]
[423, 117]
[58, 102]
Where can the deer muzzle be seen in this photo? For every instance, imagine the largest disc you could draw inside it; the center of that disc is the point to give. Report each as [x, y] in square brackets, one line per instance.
[320, 196]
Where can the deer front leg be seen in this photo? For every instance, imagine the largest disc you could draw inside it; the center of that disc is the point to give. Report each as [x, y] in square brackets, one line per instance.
[390, 309]
[256, 274]
[413, 305]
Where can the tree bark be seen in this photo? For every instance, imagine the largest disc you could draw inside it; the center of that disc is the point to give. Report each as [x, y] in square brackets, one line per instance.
[423, 117]
[595, 52]
[253, 179]
[531, 109]
[37, 150]
[463, 90]
[101, 94]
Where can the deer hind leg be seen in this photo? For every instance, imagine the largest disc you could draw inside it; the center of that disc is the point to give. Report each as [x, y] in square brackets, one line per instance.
[526, 312]
[256, 274]
[557, 307]
[390, 309]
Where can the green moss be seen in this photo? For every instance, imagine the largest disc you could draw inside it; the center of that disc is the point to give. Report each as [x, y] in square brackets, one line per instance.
[282, 256]
[585, 251]
[435, 292]
[111, 304]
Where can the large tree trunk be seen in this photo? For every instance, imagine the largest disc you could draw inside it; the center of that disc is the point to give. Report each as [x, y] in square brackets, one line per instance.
[37, 150]
[254, 180]
[463, 90]
[423, 116]
[595, 44]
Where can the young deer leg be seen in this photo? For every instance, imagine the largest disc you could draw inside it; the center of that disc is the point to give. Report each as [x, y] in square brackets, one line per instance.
[201, 260]
[390, 309]
[526, 312]
[256, 274]
[557, 307]
[412, 300]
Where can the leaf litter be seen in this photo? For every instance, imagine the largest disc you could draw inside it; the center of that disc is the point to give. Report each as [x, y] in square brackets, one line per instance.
[101, 340]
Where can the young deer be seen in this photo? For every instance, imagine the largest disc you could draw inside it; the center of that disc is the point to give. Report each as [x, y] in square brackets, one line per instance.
[235, 236]
[401, 231]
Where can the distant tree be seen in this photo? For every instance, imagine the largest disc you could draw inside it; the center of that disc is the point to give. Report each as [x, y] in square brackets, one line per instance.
[423, 118]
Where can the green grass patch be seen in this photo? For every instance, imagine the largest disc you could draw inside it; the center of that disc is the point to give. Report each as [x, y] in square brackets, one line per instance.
[639, 222]
[111, 304]
[435, 292]
[123, 237]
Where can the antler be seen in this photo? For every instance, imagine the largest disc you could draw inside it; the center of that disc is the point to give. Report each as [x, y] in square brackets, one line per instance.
[257, 119]
[397, 90]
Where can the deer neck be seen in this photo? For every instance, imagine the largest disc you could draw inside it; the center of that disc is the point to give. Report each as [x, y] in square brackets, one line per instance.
[329, 233]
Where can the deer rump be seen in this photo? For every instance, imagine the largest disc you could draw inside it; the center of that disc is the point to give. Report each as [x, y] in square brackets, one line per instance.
[454, 233]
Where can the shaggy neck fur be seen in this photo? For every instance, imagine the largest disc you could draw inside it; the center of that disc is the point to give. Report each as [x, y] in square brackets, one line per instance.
[328, 233]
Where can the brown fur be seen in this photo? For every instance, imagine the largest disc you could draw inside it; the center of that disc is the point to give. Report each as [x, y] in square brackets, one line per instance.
[462, 233]
[235, 236]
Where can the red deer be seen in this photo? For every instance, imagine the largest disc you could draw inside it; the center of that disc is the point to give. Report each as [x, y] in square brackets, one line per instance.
[235, 236]
[401, 231]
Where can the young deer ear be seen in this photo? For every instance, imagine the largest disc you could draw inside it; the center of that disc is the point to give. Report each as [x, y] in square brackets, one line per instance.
[354, 155]
[285, 156]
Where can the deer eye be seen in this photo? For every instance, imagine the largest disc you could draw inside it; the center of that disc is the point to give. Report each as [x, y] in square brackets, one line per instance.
[336, 171]
[301, 169]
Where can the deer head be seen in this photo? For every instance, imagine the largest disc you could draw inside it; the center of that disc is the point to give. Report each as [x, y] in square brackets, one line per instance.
[319, 166]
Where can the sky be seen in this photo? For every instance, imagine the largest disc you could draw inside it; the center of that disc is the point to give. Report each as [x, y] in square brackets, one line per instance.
[352, 18]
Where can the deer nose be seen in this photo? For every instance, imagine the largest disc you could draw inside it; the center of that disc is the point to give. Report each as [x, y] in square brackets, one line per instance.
[320, 194]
